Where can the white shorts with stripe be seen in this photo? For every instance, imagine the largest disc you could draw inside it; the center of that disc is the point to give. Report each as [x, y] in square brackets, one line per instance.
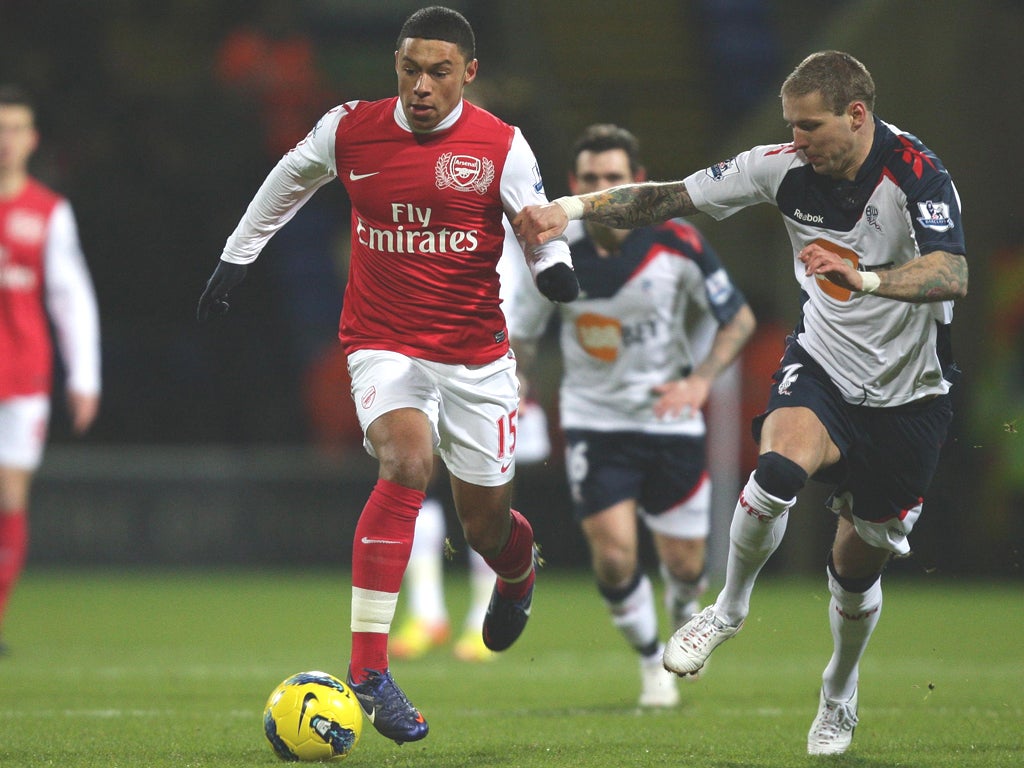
[23, 423]
[471, 408]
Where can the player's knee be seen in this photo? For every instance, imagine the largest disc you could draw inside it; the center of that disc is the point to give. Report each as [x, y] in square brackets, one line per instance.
[853, 584]
[613, 568]
[407, 469]
[779, 476]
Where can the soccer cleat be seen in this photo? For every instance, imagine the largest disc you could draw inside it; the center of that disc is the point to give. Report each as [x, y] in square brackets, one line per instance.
[691, 645]
[505, 619]
[384, 705]
[657, 685]
[470, 647]
[832, 730]
[416, 637]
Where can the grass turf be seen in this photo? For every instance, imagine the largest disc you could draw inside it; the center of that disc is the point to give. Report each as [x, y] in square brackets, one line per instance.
[163, 668]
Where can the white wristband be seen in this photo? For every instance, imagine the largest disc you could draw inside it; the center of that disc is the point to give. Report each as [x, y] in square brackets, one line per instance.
[572, 206]
[869, 282]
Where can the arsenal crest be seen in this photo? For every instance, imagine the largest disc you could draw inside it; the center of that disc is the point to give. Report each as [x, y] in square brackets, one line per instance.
[463, 173]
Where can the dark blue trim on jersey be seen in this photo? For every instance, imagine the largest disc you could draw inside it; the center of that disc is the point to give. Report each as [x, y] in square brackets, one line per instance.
[837, 204]
[602, 277]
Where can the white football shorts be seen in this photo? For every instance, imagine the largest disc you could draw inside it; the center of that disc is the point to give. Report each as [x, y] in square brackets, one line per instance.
[690, 519]
[23, 424]
[471, 408]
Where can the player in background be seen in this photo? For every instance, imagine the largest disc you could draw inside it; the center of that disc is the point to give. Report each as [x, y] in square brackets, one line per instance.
[658, 319]
[430, 177]
[427, 623]
[861, 398]
[43, 279]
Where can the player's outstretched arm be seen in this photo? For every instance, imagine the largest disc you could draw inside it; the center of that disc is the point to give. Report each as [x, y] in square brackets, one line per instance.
[624, 207]
[214, 300]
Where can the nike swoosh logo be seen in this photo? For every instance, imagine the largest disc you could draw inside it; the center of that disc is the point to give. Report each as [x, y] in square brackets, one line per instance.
[505, 467]
[368, 540]
[353, 176]
[308, 699]
[366, 702]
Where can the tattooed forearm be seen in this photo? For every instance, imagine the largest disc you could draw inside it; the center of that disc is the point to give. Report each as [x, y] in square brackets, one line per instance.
[938, 276]
[637, 205]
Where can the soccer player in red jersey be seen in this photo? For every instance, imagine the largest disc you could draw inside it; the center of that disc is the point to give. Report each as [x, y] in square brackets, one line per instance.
[430, 177]
[43, 278]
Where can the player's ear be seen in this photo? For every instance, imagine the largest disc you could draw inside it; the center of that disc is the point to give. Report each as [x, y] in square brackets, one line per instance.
[858, 114]
[574, 184]
[640, 175]
[471, 70]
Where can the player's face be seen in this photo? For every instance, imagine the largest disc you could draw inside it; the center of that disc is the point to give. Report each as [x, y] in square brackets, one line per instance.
[828, 141]
[431, 77]
[596, 171]
[18, 138]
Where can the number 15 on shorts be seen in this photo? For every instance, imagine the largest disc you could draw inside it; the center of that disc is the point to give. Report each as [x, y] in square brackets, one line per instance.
[507, 435]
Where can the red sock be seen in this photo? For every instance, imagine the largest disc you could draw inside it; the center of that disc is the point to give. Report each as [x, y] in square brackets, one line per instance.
[13, 548]
[380, 554]
[514, 565]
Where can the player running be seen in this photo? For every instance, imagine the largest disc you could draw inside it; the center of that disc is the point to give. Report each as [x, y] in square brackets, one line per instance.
[861, 398]
[430, 177]
[657, 321]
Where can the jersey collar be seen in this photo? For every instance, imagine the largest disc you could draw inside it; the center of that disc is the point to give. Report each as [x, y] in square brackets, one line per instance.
[448, 122]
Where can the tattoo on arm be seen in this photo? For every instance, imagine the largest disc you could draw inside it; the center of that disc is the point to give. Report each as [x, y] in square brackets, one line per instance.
[637, 205]
[937, 276]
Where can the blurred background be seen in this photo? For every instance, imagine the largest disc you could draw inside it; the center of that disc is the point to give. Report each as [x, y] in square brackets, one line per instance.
[235, 443]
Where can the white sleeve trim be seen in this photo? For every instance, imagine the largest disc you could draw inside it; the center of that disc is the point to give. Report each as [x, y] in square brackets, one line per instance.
[71, 302]
[300, 173]
[522, 185]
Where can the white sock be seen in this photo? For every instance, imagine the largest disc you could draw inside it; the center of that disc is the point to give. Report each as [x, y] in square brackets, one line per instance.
[852, 616]
[758, 525]
[424, 576]
[481, 582]
[635, 615]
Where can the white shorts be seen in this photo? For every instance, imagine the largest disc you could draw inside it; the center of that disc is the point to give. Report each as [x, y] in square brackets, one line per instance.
[471, 408]
[23, 423]
[690, 519]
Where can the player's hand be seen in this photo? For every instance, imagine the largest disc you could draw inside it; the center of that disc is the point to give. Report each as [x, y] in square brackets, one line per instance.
[83, 408]
[558, 283]
[215, 298]
[536, 224]
[681, 398]
[819, 261]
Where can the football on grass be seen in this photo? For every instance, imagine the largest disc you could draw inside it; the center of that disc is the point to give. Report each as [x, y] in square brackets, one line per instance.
[313, 716]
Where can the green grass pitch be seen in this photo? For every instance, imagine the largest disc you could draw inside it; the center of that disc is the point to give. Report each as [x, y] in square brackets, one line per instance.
[164, 668]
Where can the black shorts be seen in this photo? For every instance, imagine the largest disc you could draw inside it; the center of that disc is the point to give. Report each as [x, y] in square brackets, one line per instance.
[889, 455]
[659, 471]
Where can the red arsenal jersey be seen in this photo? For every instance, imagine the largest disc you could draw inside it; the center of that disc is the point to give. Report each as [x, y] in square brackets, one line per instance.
[26, 353]
[426, 234]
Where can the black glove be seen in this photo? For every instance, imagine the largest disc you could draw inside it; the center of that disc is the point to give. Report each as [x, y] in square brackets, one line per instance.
[215, 298]
[559, 283]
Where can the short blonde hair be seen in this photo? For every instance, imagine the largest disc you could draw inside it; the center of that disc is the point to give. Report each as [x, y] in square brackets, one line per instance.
[837, 76]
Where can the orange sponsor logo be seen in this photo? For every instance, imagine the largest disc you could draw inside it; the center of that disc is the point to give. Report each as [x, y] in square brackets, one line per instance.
[599, 336]
[831, 289]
